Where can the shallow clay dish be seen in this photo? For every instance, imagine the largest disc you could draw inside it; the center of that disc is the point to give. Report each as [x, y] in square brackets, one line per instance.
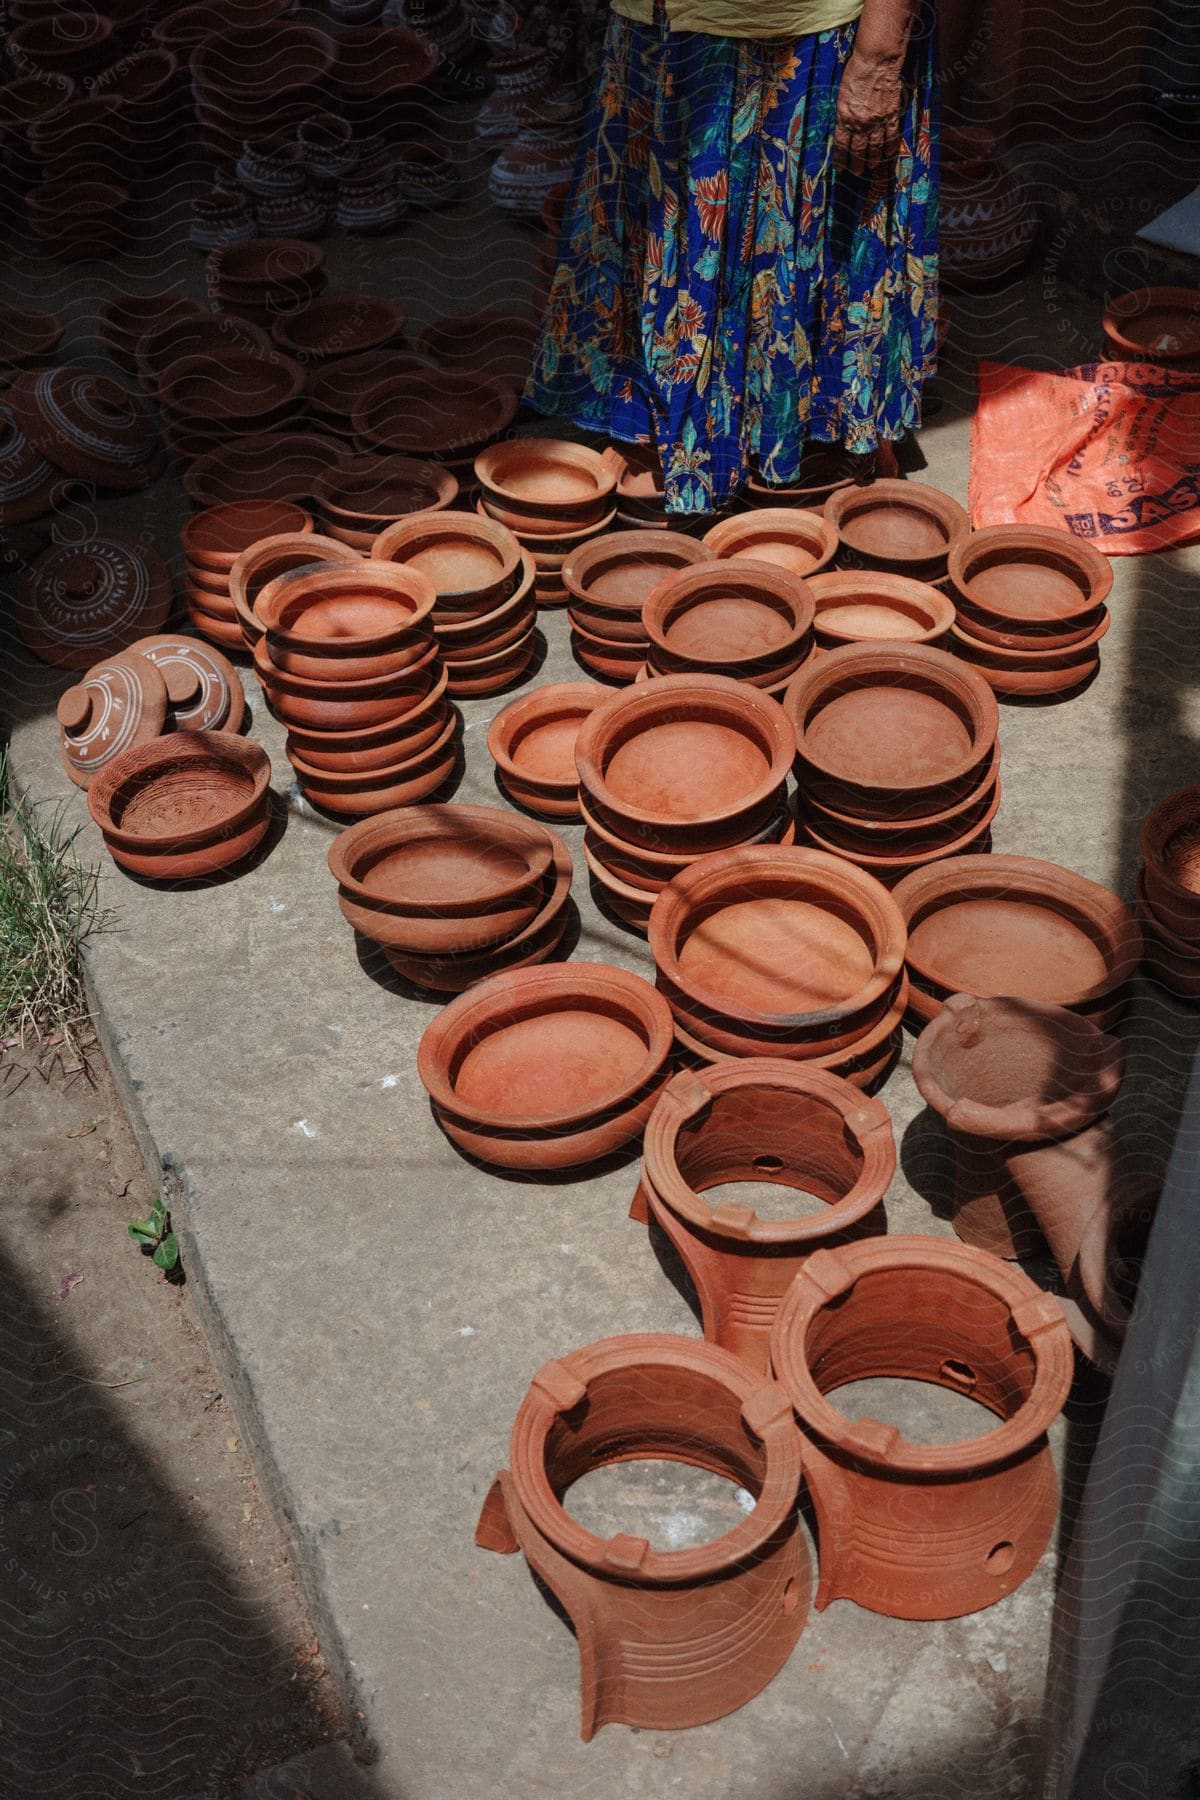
[213, 540]
[547, 478]
[548, 1067]
[434, 414]
[532, 743]
[470, 561]
[1158, 324]
[376, 490]
[1028, 577]
[862, 606]
[990, 925]
[340, 325]
[898, 525]
[289, 552]
[743, 619]
[186, 805]
[610, 578]
[274, 465]
[798, 541]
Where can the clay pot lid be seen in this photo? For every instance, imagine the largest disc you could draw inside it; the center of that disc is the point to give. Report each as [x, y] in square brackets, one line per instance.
[117, 704]
[370, 607]
[729, 612]
[78, 602]
[1029, 573]
[1014, 925]
[748, 1417]
[26, 336]
[461, 553]
[1016, 1070]
[183, 790]
[857, 606]
[798, 541]
[1159, 324]
[692, 1097]
[897, 522]
[435, 414]
[280, 465]
[549, 477]
[299, 552]
[29, 485]
[547, 1048]
[215, 538]
[684, 748]
[340, 325]
[204, 690]
[533, 738]
[774, 935]
[620, 570]
[384, 488]
[86, 425]
[1170, 841]
[229, 385]
[961, 1281]
[893, 718]
[455, 861]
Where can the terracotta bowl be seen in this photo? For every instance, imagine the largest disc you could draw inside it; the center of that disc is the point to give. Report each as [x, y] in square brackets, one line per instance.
[890, 724]
[471, 562]
[616, 662]
[218, 628]
[434, 880]
[1170, 844]
[901, 525]
[610, 578]
[990, 925]
[28, 338]
[651, 870]
[336, 388]
[770, 939]
[347, 624]
[493, 673]
[438, 413]
[903, 823]
[478, 633]
[686, 762]
[1029, 580]
[1030, 655]
[532, 743]
[302, 703]
[549, 1067]
[855, 606]
[178, 340]
[276, 465]
[213, 540]
[890, 862]
[798, 541]
[121, 323]
[378, 790]
[182, 806]
[824, 469]
[744, 619]
[549, 538]
[229, 385]
[339, 325]
[375, 491]
[496, 344]
[546, 478]
[291, 552]
[376, 746]
[1157, 325]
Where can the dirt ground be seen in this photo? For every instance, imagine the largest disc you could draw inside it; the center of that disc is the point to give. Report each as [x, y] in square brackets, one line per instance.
[157, 1641]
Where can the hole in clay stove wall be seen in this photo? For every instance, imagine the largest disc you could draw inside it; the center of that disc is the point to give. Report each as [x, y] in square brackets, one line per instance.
[791, 1595]
[1000, 1558]
[768, 1165]
[674, 1506]
[959, 1374]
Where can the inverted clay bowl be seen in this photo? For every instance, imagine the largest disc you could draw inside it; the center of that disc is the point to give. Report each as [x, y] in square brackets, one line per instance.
[549, 1067]
[1170, 845]
[890, 725]
[347, 624]
[798, 541]
[610, 578]
[186, 805]
[991, 925]
[862, 606]
[289, 552]
[685, 762]
[546, 478]
[532, 743]
[213, 540]
[743, 619]
[1156, 324]
[900, 525]
[436, 880]
[1021, 583]
[471, 562]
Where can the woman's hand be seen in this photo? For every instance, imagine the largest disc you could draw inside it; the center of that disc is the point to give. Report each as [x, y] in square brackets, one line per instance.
[869, 107]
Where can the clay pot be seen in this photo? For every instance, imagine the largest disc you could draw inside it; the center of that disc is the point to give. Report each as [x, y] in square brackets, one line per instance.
[1026, 587]
[352, 624]
[30, 486]
[284, 465]
[532, 743]
[1170, 845]
[367, 493]
[182, 30]
[546, 480]
[438, 880]
[799, 542]
[230, 394]
[116, 705]
[122, 323]
[546, 1068]
[270, 557]
[824, 468]
[496, 345]
[650, 870]
[636, 1611]
[308, 704]
[78, 603]
[1155, 325]
[939, 1530]
[368, 791]
[439, 414]
[481, 634]
[1033, 670]
[87, 426]
[340, 325]
[900, 525]
[396, 740]
[987, 220]
[191, 804]
[177, 340]
[747, 620]
[203, 690]
[687, 762]
[619, 663]
[337, 389]
[471, 562]
[384, 77]
[865, 606]
[1012, 925]
[610, 578]
[771, 1122]
[549, 538]
[493, 673]
[266, 278]
[890, 730]
[213, 540]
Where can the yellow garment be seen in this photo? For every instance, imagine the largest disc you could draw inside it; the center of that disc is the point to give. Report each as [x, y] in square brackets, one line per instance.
[746, 18]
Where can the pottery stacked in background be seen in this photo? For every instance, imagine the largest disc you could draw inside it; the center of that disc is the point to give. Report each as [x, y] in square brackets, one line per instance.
[553, 495]
[1168, 893]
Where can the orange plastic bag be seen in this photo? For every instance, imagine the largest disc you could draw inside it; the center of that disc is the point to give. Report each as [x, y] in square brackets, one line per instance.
[1109, 451]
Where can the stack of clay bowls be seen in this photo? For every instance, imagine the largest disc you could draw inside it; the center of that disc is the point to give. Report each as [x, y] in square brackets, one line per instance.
[212, 541]
[857, 606]
[359, 497]
[824, 470]
[269, 559]
[454, 894]
[898, 760]
[183, 807]
[555, 496]
[904, 526]
[266, 279]
[770, 950]
[1030, 606]
[608, 582]
[496, 345]
[485, 614]
[747, 619]
[166, 342]
[350, 665]
[1168, 893]
[532, 743]
[207, 401]
[639, 493]
[441, 414]
[671, 770]
[800, 542]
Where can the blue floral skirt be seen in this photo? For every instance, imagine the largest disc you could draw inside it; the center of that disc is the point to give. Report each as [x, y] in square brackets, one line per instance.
[723, 291]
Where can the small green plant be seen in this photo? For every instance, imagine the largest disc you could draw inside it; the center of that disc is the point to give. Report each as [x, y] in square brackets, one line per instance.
[155, 1234]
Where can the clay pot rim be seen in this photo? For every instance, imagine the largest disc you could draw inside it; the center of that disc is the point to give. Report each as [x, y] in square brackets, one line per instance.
[671, 862]
[658, 701]
[327, 307]
[918, 496]
[1031, 660]
[493, 471]
[883, 829]
[555, 700]
[361, 781]
[1037, 1319]
[833, 587]
[882, 862]
[223, 749]
[258, 555]
[1084, 559]
[496, 404]
[625, 546]
[343, 740]
[765, 1415]
[220, 562]
[872, 1041]
[1029, 1119]
[536, 939]
[477, 668]
[1120, 309]
[442, 483]
[554, 543]
[339, 690]
[408, 825]
[280, 607]
[877, 661]
[1019, 878]
[677, 592]
[452, 634]
[865, 1122]
[422, 529]
[1165, 819]
[772, 520]
[501, 996]
[790, 865]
